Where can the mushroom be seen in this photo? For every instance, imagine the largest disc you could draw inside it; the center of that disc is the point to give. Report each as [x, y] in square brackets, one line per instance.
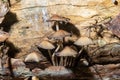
[84, 42]
[33, 57]
[84, 62]
[56, 19]
[45, 44]
[66, 52]
[59, 36]
[3, 36]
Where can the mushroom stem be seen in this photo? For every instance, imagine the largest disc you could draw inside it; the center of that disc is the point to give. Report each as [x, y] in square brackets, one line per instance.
[60, 43]
[61, 61]
[73, 62]
[57, 26]
[49, 53]
[70, 61]
[56, 60]
[53, 55]
[79, 53]
[65, 61]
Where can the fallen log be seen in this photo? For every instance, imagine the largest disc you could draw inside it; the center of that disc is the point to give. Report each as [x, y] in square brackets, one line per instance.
[107, 54]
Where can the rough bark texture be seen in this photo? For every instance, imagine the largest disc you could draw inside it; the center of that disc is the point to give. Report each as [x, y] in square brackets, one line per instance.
[26, 19]
[26, 23]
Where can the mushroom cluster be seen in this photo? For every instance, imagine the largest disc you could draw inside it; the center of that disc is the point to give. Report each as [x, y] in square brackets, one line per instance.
[58, 51]
[62, 54]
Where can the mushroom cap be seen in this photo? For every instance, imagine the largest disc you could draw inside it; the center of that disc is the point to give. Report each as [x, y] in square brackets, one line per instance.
[58, 18]
[45, 44]
[33, 57]
[67, 51]
[82, 41]
[57, 70]
[84, 62]
[60, 34]
[3, 36]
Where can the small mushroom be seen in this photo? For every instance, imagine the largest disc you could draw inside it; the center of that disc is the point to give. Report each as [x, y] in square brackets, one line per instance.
[66, 52]
[56, 19]
[84, 62]
[59, 35]
[84, 42]
[45, 44]
[33, 57]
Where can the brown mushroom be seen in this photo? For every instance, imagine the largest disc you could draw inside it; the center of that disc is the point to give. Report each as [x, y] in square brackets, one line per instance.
[66, 52]
[84, 42]
[45, 44]
[56, 19]
[59, 35]
[33, 57]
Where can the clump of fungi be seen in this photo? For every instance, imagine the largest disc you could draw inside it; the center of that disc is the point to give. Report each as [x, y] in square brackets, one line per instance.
[59, 51]
[64, 55]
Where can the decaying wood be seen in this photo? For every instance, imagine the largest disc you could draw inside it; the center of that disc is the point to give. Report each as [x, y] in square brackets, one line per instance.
[109, 53]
